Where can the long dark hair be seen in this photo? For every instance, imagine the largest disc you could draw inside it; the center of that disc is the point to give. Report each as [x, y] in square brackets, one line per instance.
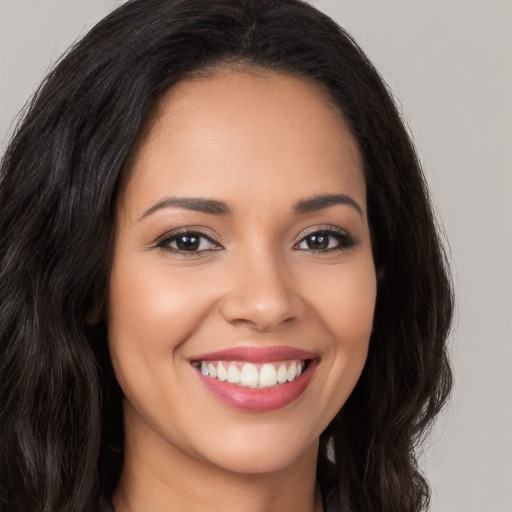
[61, 438]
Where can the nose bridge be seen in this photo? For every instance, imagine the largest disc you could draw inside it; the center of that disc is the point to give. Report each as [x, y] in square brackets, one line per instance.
[262, 292]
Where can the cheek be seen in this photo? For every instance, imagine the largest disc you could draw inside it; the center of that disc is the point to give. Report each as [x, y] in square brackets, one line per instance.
[346, 303]
[345, 311]
[151, 305]
[352, 318]
[152, 311]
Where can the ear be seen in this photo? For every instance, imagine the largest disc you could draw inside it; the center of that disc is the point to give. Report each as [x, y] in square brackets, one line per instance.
[380, 272]
[93, 316]
[96, 313]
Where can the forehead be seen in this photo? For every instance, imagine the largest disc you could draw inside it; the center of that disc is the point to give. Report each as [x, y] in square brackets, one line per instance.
[246, 132]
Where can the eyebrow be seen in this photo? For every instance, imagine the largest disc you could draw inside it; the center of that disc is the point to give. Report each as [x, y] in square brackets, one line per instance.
[196, 204]
[215, 207]
[324, 201]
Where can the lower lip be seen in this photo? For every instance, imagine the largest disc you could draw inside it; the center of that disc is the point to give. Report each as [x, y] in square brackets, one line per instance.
[259, 399]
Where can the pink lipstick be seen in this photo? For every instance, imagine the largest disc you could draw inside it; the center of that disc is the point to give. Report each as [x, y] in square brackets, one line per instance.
[256, 378]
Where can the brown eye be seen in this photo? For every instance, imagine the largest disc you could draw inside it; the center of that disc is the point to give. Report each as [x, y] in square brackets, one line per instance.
[188, 242]
[326, 241]
[318, 241]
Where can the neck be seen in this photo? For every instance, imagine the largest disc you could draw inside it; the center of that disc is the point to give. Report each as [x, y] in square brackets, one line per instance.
[159, 477]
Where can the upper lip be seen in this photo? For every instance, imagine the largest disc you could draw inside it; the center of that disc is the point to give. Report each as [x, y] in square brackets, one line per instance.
[256, 354]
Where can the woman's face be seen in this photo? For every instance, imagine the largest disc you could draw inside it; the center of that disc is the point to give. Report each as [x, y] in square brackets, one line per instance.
[242, 259]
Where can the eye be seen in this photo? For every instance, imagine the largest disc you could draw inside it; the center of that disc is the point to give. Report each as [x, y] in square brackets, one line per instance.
[188, 243]
[326, 240]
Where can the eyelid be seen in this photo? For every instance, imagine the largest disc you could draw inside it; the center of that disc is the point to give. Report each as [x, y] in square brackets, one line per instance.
[186, 230]
[347, 242]
[330, 228]
[163, 242]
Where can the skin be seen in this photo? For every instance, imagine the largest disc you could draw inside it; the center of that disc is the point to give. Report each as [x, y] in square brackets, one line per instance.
[260, 142]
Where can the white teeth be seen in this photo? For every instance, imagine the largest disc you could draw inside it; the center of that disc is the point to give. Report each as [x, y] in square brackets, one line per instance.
[249, 375]
[292, 370]
[212, 370]
[253, 375]
[221, 372]
[268, 376]
[282, 374]
[233, 374]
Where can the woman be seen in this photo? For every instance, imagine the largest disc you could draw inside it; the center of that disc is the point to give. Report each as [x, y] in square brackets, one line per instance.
[221, 279]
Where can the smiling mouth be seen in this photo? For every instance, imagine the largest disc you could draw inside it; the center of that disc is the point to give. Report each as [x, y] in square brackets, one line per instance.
[253, 375]
[256, 379]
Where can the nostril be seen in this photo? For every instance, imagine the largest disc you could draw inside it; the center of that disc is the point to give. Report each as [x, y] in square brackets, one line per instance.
[262, 310]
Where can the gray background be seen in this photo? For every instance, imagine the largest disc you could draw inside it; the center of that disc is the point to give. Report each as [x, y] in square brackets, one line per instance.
[449, 64]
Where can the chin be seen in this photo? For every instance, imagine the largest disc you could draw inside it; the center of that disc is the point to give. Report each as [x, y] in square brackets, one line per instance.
[272, 459]
[260, 448]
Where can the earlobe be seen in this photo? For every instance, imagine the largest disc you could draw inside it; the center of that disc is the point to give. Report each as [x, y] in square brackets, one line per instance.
[381, 272]
[96, 306]
[96, 313]
[93, 316]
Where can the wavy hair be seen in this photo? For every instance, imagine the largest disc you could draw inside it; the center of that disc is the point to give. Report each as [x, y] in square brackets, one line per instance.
[61, 435]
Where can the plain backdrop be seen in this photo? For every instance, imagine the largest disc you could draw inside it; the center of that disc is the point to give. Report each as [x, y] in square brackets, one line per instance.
[449, 65]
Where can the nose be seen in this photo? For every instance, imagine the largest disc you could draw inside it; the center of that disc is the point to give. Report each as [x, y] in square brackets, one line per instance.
[263, 294]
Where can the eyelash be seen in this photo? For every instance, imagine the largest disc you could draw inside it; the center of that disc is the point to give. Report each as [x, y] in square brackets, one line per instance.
[344, 241]
[165, 242]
